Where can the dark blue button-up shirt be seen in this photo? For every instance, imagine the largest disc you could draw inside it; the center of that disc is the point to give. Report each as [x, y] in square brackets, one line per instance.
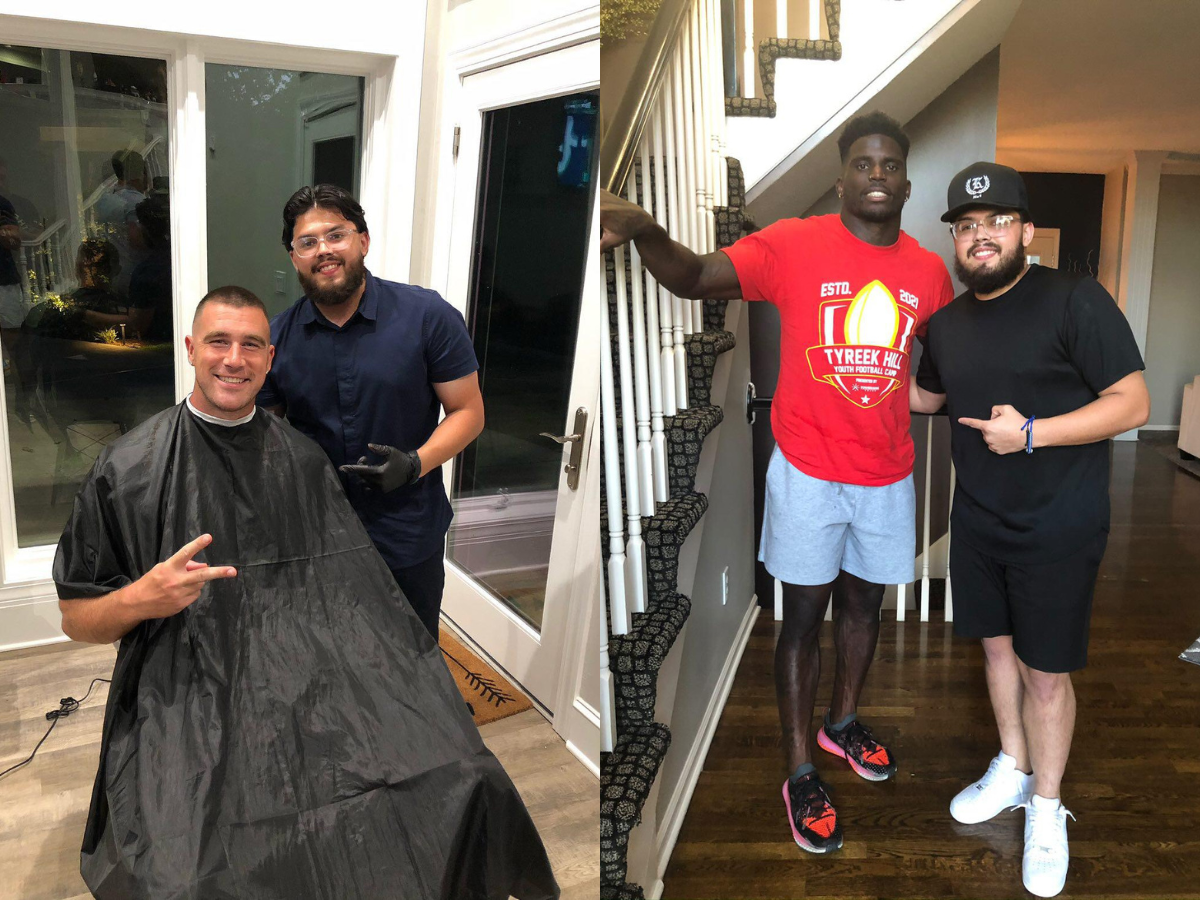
[371, 381]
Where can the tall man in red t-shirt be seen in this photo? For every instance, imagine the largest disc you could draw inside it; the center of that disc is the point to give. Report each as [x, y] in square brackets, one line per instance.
[852, 290]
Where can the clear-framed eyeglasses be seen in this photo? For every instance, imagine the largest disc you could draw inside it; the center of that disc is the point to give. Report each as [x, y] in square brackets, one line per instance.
[992, 225]
[338, 239]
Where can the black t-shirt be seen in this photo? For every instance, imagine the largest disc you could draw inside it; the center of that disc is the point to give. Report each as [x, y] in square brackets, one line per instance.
[1048, 346]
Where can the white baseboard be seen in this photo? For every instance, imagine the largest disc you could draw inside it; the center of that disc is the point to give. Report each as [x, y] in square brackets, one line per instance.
[588, 763]
[677, 807]
[31, 621]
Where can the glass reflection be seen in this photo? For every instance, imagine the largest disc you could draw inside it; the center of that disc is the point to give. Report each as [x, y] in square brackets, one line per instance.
[85, 266]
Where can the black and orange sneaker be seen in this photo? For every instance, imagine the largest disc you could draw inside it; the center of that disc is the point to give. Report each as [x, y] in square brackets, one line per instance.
[867, 757]
[811, 815]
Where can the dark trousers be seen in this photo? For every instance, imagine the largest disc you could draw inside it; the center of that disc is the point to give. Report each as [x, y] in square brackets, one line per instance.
[423, 585]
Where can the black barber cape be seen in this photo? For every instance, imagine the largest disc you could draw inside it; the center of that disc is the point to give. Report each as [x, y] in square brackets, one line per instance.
[294, 733]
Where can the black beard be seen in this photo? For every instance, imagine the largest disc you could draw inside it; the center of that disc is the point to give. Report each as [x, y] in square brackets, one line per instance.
[334, 295]
[985, 281]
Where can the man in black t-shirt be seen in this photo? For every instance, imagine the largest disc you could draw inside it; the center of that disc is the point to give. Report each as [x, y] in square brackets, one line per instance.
[1039, 370]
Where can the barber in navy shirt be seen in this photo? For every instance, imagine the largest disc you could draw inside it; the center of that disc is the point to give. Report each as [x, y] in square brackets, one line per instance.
[362, 366]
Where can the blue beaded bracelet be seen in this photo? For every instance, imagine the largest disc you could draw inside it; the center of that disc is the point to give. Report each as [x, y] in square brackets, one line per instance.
[1028, 429]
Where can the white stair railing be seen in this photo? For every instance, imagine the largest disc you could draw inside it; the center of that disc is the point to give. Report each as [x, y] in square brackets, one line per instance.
[678, 149]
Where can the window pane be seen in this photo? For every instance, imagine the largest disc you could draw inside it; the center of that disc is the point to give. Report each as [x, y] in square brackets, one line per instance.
[531, 230]
[271, 131]
[85, 266]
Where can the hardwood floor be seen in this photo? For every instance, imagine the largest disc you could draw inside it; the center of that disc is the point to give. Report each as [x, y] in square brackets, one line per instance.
[1133, 779]
[43, 806]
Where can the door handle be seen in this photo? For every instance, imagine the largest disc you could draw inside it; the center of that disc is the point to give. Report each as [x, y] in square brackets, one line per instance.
[562, 438]
[575, 439]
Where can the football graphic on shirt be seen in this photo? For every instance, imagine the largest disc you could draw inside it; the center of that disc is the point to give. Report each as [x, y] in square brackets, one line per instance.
[864, 344]
[873, 317]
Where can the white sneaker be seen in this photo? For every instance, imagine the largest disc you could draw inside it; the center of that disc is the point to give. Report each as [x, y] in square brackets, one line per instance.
[1000, 788]
[1044, 869]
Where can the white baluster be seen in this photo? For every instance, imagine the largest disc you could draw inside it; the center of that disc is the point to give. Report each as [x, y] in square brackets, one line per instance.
[687, 148]
[695, 44]
[666, 175]
[704, 107]
[901, 601]
[635, 547]
[928, 512]
[618, 608]
[721, 173]
[658, 438]
[608, 698]
[949, 593]
[749, 49]
[682, 221]
[641, 367]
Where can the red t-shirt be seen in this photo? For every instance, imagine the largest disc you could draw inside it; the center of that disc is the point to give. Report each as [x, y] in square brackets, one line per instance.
[848, 312]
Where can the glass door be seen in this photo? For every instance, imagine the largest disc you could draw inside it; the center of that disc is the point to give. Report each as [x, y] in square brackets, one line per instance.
[522, 227]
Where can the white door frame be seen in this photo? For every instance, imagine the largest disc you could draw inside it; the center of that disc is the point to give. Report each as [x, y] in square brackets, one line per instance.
[543, 53]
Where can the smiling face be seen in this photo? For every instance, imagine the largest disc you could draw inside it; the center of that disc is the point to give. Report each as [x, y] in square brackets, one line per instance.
[992, 255]
[874, 183]
[330, 276]
[230, 347]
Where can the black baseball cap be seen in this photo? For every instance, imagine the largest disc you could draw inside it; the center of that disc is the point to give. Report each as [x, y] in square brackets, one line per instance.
[989, 185]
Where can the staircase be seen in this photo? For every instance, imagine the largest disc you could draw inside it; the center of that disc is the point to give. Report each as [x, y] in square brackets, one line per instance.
[635, 658]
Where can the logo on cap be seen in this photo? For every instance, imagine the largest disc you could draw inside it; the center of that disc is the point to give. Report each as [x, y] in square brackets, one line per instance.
[978, 186]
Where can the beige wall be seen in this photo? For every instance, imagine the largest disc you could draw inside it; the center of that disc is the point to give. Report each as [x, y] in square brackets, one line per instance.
[1111, 231]
[1173, 333]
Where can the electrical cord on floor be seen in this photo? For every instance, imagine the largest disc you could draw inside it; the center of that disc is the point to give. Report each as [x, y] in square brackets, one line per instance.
[66, 706]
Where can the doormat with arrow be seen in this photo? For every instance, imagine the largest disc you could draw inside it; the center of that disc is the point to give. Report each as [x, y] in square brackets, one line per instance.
[490, 695]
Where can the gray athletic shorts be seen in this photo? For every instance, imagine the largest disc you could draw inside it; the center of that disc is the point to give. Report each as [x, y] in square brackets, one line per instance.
[813, 528]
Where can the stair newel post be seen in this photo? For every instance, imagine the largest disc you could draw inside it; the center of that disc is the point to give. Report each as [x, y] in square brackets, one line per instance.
[641, 367]
[665, 175]
[681, 220]
[949, 593]
[635, 547]
[652, 173]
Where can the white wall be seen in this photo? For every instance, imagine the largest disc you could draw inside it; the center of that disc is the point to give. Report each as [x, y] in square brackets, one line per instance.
[1112, 220]
[728, 541]
[1173, 334]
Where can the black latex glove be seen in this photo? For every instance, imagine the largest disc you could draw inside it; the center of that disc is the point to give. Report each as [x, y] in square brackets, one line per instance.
[397, 469]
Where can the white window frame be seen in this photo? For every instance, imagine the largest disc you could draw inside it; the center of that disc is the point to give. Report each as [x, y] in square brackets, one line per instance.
[387, 164]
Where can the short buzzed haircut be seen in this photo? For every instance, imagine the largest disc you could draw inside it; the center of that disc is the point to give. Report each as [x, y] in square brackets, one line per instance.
[231, 295]
[871, 123]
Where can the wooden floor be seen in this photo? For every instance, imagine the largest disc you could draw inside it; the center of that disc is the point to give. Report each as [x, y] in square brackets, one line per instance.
[43, 806]
[1133, 779]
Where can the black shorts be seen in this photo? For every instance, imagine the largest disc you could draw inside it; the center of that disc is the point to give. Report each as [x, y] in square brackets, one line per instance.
[1046, 607]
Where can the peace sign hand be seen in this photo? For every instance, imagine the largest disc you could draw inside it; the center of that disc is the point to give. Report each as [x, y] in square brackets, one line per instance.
[175, 583]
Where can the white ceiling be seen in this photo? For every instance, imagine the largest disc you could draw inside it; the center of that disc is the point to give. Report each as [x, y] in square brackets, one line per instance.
[1083, 82]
